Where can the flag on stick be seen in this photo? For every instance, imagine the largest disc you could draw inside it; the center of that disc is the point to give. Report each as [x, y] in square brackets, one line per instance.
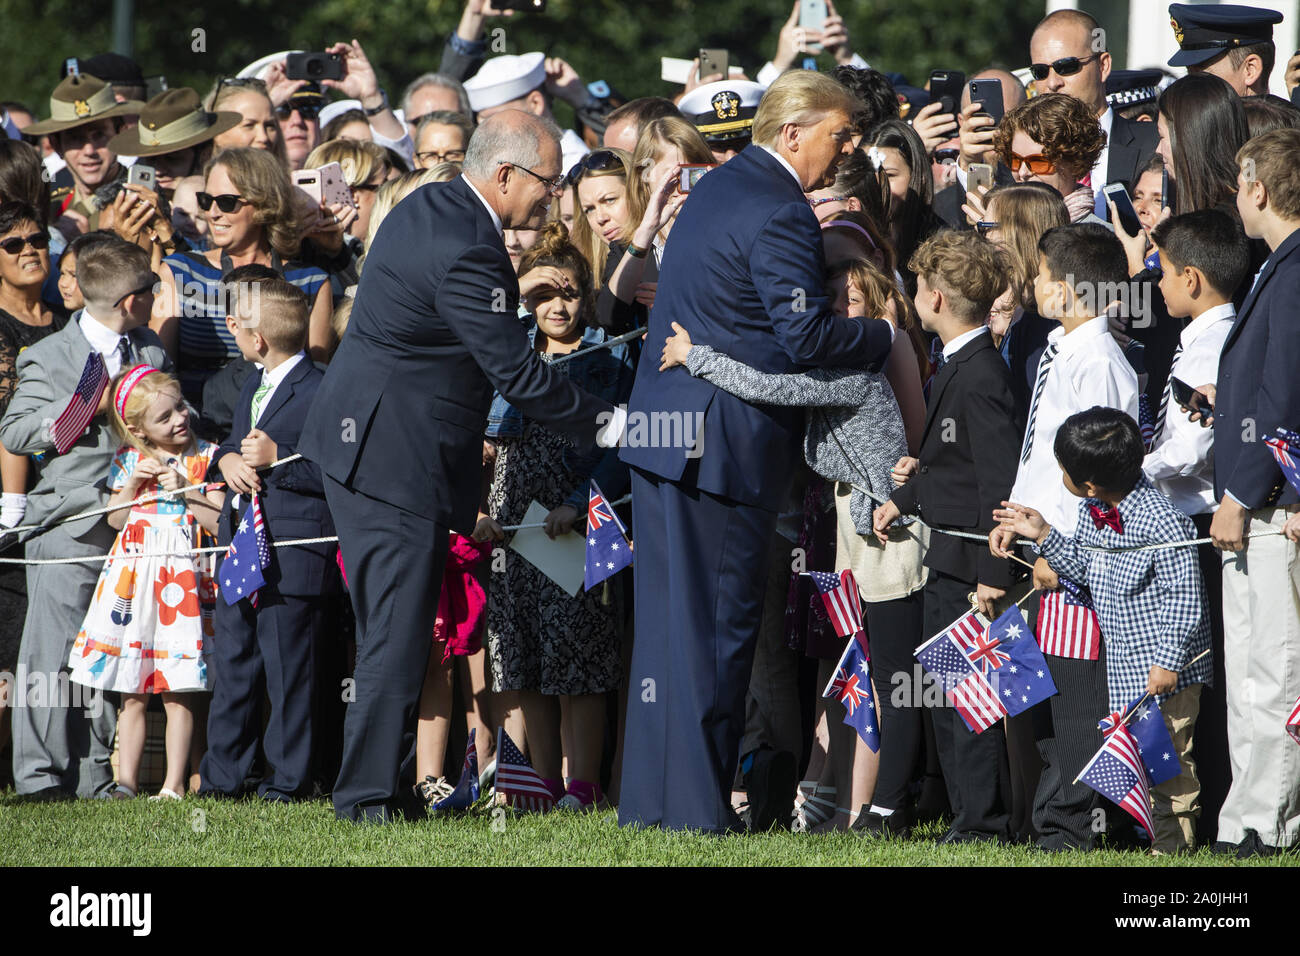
[72, 421]
[839, 592]
[248, 556]
[964, 685]
[1117, 773]
[1067, 623]
[1012, 662]
[466, 792]
[851, 686]
[517, 780]
[1155, 746]
[1285, 446]
[607, 549]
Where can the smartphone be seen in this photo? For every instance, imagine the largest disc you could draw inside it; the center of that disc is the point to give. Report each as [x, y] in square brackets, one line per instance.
[946, 87]
[980, 174]
[1166, 200]
[988, 93]
[308, 180]
[333, 187]
[534, 6]
[691, 173]
[713, 61]
[1188, 397]
[812, 14]
[142, 174]
[1128, 217]
[313, 66]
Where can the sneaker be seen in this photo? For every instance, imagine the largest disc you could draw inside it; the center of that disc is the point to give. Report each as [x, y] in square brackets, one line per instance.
[892, 827]
[429, 790]
[165, 794]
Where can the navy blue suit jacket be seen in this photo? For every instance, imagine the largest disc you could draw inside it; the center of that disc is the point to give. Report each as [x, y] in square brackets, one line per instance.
[743, 272]
[1258, 390]
[293, 495]
[401, 413]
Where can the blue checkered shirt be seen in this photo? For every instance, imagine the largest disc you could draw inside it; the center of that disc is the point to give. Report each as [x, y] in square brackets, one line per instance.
[1151, 604]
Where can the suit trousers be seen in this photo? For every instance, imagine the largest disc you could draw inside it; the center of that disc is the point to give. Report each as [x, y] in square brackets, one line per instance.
[1261, 636]
[62, 733]
[772, 713]
[974, 765]
[1210, 746]
[271, 649]
[698, 608]
[394, 561]
[894, 631]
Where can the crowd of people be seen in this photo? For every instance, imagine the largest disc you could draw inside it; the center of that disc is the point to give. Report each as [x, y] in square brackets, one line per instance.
[1011, 393]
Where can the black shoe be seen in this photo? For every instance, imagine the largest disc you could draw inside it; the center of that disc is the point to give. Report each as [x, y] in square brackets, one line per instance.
[770, 786]
[954, 837]
[1252, 846]
[892, 827]
[49, 795]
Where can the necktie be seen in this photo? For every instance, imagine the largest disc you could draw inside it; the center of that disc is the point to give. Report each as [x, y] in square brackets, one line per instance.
[1164, 400]
[123, 353]
[1044, 366]
[259, 397]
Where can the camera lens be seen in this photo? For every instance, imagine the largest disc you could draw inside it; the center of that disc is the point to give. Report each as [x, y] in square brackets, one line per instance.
[315, 68]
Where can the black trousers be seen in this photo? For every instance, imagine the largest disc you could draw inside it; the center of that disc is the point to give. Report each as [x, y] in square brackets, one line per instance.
[894, 631]
[974, 765]
[1210, 745]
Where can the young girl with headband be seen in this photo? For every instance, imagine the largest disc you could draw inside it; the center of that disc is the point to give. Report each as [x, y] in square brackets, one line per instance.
[151, 614]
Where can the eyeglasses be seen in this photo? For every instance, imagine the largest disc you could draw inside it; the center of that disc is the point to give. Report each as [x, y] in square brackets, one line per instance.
[554, 186]
[596, 162]
[825, 199]
[14, 244]
[432, 157]
[227, 202]
[143, 290]
[984, 227]
[1065, 66]
[1038, 164]
[309, 110]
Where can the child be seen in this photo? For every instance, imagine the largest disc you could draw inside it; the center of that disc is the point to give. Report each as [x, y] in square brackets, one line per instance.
[1151, 603]
[542, 643]
[270, 645]
[1081, 267]
[148, 628]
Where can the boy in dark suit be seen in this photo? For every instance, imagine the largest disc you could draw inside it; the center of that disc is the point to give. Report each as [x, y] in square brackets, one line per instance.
[271, 645]
[967, 464]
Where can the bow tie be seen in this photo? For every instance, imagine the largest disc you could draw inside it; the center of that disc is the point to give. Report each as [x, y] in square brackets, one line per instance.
[1106, 517]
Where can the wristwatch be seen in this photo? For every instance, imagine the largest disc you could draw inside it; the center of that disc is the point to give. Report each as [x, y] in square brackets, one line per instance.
[383, 105]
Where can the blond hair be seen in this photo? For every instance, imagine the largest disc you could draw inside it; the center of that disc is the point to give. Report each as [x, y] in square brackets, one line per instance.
[970, 271]
[360, 159]
[1273, 158]
[228, 88]
[265, 183]
[594, 247]
[143, 392]
[657, 138]
[878, 290]
[801, 97]
[1024, 212]
[278, 310]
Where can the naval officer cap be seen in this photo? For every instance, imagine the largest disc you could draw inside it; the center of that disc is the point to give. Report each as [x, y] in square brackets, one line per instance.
[724, 111]
[505, 78]
[1206, 32]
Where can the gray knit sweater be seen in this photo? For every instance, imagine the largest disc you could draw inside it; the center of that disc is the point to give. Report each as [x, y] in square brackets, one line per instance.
[855, 430]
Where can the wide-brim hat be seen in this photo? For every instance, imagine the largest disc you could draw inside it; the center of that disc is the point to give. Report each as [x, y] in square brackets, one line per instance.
[172, 120]
[80, 99]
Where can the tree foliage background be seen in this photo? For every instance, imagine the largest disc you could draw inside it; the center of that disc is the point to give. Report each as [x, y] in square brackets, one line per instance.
[620, 41]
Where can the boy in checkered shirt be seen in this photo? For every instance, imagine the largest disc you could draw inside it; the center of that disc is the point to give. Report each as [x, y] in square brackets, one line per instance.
[1151, 603]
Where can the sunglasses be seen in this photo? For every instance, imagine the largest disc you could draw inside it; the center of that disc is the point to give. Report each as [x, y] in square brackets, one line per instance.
[365, 187]
[596, 162]
[227, 202]
[450, 156]
[1065, 66]
[1038, 164]
[14, 244]
[554, 186]
[818, 202]
[984, 227]
[143, 290]
[307, 111]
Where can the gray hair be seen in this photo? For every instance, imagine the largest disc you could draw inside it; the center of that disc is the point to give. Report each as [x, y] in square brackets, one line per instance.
[501, 140]
[443, 118]
[435, 79]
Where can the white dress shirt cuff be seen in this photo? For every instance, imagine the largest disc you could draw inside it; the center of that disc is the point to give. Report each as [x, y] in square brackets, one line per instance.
[609, 434]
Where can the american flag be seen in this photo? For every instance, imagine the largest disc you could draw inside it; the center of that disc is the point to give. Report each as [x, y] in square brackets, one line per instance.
[1067, 623]
[248, 556]
[1012, 663]
[851, 686]
[1285, 446]
[1146, 421]
[1293, 722]
[607, 548]
[1116, 772]
[964, 685]
[517, 780]
[72, 421]
[840, 595]
[1155, 746]
[466, 792]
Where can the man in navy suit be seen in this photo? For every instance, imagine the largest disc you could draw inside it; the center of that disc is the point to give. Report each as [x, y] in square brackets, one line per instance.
[743, 273]
[397, 426]
[270, 647]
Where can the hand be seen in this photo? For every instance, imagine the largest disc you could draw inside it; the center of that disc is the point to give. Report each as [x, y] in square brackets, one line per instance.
[278, 86]
[331, 225]
[239, 475]
[484, 8]
[542, 277]
[560, 521]
[934, 127]
[487, 529]
[170, 479]
[1206, 420]
[359, 80]
[1228, 526]
[792, 41]
[976, 135]
[489, 453]
[130, 214]
[1001, 539]
[660, 209]
[835, 36]
[974, 206]
[1292, 77]
[676, 348]
[1045, 579]
[883, 516]
[147, 470]
[1161, 681]
[563, 81]
[257, 449]
[1292, 527]
[904, 470]
[693, 78]
[987, 596]
[1024, 521]
[1003, 312]
[1135, 247]
[645, 293]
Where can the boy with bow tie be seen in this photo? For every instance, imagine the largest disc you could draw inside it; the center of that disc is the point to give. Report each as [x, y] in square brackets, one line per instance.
[1152, 603]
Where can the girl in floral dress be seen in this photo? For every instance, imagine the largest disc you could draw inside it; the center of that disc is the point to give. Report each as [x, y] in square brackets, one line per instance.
[152, 611]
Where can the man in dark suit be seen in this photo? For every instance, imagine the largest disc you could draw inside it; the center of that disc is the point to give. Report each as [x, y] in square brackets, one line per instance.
[965, 468]
[271, 646]
[743, 272]
[397, 426]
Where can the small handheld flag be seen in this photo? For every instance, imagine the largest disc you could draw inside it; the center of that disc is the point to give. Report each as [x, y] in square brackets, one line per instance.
[247, 558]
[964, 685]
[1155, 746]
[1067, 623]
[1013, 663]
[851, 686]
[607, 549]
[74, 418]
[1293, 722]
[1116, 772]
[1285, 446]
[516, 779]
[466, 792]
[839, 592]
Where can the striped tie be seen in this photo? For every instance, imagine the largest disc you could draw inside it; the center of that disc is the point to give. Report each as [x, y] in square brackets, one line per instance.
[1044, 365]
[1164, 400]
[259, 396]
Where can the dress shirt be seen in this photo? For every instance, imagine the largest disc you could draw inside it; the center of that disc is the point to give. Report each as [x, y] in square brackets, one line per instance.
[1098, 181]
[103, 340]
[960, 342]
[496, 220]
[784, 162]
[274, 377]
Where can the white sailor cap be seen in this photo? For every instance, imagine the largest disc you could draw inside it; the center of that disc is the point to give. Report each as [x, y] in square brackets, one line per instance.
[723, 110]
[505, 78]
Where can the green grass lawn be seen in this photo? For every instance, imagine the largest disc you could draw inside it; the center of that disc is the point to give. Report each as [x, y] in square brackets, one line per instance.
[248, 833]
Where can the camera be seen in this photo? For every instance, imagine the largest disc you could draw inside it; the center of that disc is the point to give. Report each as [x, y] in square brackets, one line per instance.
[314, 66]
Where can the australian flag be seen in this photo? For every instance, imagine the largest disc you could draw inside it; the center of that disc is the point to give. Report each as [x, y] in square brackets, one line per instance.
[466, 792]
[1285, 446]
[1155, 746]
[964, 685]
[249, 555]
[851, 686]
[607, 547]
[1012, 662]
